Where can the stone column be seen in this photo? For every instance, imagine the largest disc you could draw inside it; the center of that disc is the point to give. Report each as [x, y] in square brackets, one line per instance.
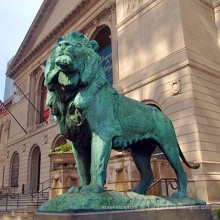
[38, 105]
[31, 110]
[114, 40]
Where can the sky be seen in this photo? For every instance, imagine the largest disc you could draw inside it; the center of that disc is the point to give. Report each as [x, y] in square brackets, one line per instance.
[16, 17]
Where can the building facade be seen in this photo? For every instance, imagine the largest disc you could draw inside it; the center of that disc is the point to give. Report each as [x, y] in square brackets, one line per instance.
[164, 53]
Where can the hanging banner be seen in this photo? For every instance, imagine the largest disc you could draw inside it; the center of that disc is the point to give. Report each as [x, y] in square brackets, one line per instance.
[46, 109]
[106, 57]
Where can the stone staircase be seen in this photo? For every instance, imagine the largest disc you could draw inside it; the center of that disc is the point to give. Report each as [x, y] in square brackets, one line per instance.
[17, 215]
[25, 201]
[21, 207]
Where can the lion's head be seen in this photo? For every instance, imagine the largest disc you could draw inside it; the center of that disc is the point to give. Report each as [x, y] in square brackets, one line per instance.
[73, 59]
[74, 64]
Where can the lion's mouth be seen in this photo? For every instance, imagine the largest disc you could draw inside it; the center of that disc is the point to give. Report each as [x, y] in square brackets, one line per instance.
[65, 63]
[64, 67]
[68, 77]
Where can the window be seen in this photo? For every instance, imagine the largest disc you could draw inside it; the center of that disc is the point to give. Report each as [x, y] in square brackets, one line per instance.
[15, 170]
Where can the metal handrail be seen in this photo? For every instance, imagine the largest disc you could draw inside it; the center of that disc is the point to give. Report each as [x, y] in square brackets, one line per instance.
[18, 195]
[36, 186]
[3, 188]
[39, 194]
[167, 181]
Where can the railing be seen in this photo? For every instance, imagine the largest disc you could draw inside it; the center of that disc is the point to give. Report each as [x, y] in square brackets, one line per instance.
[167, 181]
[36, 188]
[33, 192]
[3, 189]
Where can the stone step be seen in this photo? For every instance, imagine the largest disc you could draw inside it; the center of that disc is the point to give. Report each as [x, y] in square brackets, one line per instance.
[18, 215]
[25, 202]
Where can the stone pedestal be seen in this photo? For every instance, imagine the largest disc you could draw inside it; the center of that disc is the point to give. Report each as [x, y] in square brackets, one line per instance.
[183, 213]
[64, 176]
[122, 173]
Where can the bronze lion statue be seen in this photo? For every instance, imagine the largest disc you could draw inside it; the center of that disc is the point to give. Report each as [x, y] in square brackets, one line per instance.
[96, 118]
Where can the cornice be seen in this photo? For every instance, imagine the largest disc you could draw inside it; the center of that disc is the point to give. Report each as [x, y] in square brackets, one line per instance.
[207, 3]
[18, 62]
[217, 4]
[146, 5]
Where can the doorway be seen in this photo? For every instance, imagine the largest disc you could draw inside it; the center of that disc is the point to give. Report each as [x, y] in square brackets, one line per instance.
[35, 169]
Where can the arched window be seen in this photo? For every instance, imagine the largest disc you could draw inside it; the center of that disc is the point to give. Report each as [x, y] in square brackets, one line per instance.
[103, 38]
[15, 170]
[60, 140]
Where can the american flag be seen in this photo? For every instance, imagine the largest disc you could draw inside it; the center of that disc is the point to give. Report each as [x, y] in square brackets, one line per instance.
[4, 111]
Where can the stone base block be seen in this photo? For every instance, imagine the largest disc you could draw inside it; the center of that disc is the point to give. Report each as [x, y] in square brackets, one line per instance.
[184, 213]
[56, 192]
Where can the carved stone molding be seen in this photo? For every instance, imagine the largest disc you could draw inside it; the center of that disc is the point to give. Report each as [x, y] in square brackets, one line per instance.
[107, 17]
[112, 6]
[175, 87]
[73, 176]
[119, 170]
[23, 86]
[96, 22]
[7, 124]
[46, 139]
[24, 147]
[7, 154]
[207, 3]
[129, 5]
[111, 169]
[217, 4]
[33, 74]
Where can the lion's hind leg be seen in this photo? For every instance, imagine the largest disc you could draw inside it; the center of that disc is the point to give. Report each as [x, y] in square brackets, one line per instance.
[171, 151]
[142, 156]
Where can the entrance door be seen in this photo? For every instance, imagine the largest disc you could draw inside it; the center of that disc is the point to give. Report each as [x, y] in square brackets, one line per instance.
[35, 169]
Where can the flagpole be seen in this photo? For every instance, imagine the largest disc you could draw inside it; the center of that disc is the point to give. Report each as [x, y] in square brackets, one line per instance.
[15, 119]
[29, 101]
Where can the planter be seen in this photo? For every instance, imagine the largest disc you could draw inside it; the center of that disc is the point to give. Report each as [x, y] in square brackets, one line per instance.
[63, 158]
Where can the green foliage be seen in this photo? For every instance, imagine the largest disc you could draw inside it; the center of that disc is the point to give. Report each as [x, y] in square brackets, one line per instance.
[218, 213]
[62, 148]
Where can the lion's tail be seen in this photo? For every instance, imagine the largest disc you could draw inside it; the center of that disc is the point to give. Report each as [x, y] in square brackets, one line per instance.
[196, 166]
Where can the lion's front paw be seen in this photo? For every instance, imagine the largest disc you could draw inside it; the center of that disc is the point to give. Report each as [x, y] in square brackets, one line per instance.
[92, 188]
[179, 194]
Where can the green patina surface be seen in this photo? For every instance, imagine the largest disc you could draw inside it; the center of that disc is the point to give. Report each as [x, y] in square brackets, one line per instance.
[96, 118]
[112, 201]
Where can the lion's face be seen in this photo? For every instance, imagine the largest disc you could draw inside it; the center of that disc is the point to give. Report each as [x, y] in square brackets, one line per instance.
[72, 62]
[68, 55]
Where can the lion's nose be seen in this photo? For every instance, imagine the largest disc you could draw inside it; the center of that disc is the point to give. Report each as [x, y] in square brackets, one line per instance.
[64, 62]
[64, 44]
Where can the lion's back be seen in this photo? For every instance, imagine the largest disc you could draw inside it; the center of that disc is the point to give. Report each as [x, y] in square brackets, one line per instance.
[141, 120]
